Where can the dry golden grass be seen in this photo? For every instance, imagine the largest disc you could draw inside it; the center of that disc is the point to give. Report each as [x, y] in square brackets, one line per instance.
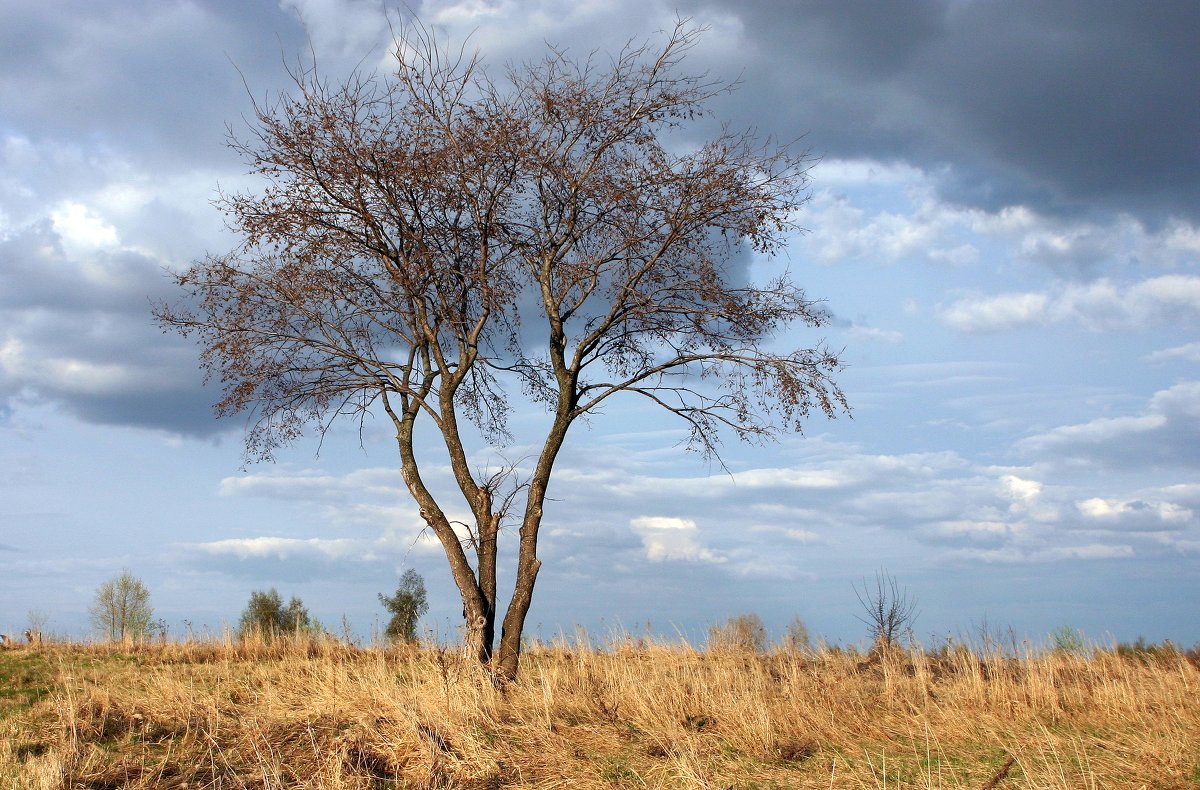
[316, 714]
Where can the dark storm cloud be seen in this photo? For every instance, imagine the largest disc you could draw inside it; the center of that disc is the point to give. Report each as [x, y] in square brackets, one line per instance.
[78, 332]
[97, 96]
[1063, 105]
[1057, 104]
[39, 273]
[183, 410]
[158, 79]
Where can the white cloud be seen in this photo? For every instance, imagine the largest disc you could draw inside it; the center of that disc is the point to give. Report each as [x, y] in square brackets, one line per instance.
[669, 538]
[845, 468]
[282, 486]
[995, 313]
[843, 231]
[81, 229]
[1026, 499]
[815, 478]
[509, 29]
[1100, 305]
[870, 333]
[1015, 555]
[342, 27]
[791, 533]
[1135, 514]
[1180, 401]
[1091, 551]
[1189, 352]
[1167, 433]
[1076, 247]
[961, 255]
[841, 173]
[280, 548]
[847, 225]
[1021, 490]
[1102, 429]
[969, 528]
[970, 531]
[1100, 508]
[313, 485]
[1104, 305]
[1181, 237]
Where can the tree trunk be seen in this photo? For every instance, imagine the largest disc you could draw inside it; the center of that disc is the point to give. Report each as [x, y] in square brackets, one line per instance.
[528, 563]
[509, 660]
[477, 612]
[487, 535]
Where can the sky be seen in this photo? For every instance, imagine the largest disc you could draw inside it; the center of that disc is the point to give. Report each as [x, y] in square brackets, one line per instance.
[1004, 223]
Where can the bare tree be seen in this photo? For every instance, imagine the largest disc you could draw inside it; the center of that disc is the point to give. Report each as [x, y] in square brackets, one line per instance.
[121, 609]
[428, 241]
[888, 608]
[37, 620]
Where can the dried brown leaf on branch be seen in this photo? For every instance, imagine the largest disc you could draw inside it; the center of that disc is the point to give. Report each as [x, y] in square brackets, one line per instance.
[430, 243]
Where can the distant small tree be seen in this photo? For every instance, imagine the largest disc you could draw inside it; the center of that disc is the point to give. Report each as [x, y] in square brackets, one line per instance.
[121, 609]
[296, 618]
[743, 633]
[406, 606]
[37, 620]
[795, 636]
[159, 629]
[889, 608]
[265, 614]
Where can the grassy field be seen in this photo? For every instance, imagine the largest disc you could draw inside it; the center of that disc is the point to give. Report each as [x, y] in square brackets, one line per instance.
[318, 714]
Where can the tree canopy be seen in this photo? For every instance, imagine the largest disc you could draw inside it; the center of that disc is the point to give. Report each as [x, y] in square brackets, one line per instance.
[406, 607]
[428, 244]
[266, 616]
[121, 608]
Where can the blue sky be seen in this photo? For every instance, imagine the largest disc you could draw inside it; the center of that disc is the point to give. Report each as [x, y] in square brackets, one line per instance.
[1004, 221]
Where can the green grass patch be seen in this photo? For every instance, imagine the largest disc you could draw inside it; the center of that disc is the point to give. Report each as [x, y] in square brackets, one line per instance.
[26, 677]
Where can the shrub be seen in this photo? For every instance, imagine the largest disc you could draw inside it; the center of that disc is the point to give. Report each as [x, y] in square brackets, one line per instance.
[744, 633]
[889, 609]
[266, 615]
[1150, 652]
[795, 636]
[1067, 639]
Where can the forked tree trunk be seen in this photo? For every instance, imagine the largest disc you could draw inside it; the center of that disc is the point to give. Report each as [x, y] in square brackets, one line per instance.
[478, 605]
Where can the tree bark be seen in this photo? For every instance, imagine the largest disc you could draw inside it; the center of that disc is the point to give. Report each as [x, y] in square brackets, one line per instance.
[487, 532]
[528, 563]
[475, 609]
